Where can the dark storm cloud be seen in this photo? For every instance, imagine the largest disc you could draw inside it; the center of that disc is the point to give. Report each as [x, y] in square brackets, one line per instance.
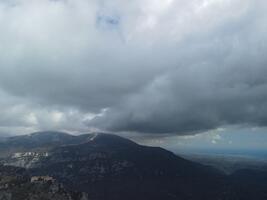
[168, 67]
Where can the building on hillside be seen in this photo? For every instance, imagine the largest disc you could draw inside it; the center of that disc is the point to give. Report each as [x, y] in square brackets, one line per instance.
[42, 179]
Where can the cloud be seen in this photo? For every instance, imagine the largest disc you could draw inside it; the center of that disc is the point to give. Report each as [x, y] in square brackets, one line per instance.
[179, 67]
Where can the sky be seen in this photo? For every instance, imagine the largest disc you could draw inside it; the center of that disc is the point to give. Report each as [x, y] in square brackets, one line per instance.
[177, 69]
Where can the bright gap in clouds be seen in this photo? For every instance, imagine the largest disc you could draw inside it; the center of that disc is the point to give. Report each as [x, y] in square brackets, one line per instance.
[235, 141]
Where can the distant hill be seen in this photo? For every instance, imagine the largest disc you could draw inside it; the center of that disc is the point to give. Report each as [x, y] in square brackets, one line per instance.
[228, 163]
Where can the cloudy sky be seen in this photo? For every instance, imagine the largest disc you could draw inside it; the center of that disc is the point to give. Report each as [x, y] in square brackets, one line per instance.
[152, 67]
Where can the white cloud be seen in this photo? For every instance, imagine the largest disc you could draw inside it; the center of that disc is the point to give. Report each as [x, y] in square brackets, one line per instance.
[150, 66]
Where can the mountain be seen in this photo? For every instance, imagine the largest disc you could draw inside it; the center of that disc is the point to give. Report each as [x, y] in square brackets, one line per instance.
[113, 167]
[105, 166]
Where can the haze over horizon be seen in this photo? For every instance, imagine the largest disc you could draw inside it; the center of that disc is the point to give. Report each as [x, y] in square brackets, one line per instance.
[178, 74]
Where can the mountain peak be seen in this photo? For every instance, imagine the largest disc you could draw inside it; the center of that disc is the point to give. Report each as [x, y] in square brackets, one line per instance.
[109, 139]
[49, 134]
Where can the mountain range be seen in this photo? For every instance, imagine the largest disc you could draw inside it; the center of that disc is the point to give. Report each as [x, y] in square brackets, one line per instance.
[102, 166]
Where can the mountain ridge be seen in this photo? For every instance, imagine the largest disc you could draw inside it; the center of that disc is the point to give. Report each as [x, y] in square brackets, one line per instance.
[107, 166]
